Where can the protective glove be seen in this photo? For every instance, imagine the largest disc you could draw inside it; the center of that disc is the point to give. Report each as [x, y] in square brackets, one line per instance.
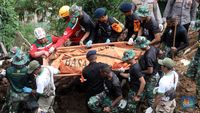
[27, 90]
[122, 70]
[89, 43]
[186, 51]
[160, 27]
[192, 24]
[51, 50]
[149, 110]
[130, 41]
[107, 41]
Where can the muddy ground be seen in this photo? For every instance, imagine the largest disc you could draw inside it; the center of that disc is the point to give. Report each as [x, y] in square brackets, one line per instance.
[70, 95]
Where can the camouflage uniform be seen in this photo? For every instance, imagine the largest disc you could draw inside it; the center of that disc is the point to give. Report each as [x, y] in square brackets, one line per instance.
[98, 102]
[131, 104]
[194, 70]
[167, 50]
[151, 83]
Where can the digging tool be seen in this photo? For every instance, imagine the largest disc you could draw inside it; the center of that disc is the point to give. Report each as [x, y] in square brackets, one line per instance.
[174, 39]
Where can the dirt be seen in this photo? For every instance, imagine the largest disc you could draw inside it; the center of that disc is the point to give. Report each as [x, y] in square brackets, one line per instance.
[71, 96]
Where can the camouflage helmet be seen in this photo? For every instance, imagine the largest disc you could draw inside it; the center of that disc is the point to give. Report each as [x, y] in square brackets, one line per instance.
[129, 54]
[75, 10]
[143, 11]
[20, 58]
[141, 42]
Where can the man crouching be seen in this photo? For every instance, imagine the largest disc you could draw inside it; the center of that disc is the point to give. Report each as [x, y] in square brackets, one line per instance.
[108, 100]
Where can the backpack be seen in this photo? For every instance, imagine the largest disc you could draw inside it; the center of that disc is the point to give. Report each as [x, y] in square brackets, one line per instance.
[171, 93]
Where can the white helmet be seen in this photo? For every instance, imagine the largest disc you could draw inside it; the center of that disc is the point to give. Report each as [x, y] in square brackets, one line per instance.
[39, 33]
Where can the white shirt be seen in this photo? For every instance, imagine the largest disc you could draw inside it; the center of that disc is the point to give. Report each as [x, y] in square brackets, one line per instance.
[43, 79]
[167, 82]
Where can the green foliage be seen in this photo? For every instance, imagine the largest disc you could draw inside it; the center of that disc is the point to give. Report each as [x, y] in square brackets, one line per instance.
[89, 6]
[28, 30]
[112, 7]
[8, 22]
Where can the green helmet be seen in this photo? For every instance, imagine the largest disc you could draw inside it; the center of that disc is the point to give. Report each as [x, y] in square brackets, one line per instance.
[141, 42]
[20, 58]
[143, 11]
[129, 54]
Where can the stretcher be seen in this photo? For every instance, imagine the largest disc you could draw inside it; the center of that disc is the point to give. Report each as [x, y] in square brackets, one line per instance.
[71, 60]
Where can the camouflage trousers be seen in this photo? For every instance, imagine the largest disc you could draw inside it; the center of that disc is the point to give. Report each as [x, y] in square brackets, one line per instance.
[166, 51]
[194, 72]
[151, 83]
[131, 104]
[13, 101]
[166, 106]
[98, 102]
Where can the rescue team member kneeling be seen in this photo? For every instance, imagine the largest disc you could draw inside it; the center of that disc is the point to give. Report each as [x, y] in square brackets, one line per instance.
[108, 100]
[94, 82]
[165, 99]
[45, 85]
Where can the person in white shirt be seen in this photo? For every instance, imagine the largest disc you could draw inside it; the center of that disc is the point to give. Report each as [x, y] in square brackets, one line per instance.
[165, 96]
[45, 85]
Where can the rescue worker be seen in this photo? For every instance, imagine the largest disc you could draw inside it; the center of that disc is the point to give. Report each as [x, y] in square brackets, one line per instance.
[136, 81]
[165, 95]
[167, 39]
[17, 76]
[149, 65]
[132, 21]
[153, 9]
[86, 23]
[193, 70]
[44, 44]
[108, 28]
[184, 9]
[107, 101]
[149, 26]
[79, 25]
[45, 85]
[94, 82]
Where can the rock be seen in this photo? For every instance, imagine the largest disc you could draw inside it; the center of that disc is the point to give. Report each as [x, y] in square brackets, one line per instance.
[189, 89]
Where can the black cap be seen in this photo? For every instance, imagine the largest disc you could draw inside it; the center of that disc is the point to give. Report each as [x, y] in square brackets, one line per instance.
[91, 52]
[125, 7]
[99, 12]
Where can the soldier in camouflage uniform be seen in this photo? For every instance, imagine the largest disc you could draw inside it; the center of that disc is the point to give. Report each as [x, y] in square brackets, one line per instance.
[107, 101]
[17, 77]
[136, 81]
[149, 65]
[194, 70]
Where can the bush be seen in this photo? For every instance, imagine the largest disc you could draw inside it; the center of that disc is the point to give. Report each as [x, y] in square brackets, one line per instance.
[8, 23]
